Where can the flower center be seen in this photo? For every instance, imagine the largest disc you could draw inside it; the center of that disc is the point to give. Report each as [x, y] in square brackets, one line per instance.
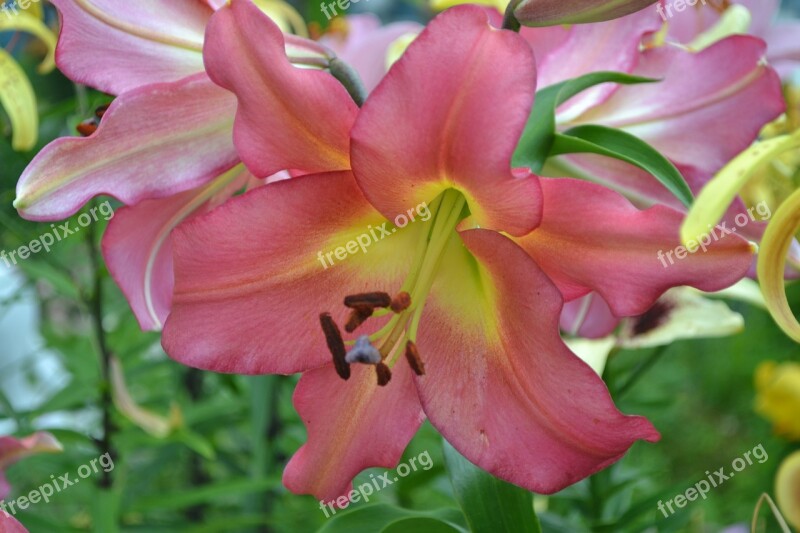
[383, 348]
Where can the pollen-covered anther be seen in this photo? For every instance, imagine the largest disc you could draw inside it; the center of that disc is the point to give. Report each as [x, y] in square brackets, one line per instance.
[357, 317]
[384, 374]
[88, 127]
[368, 299]
[414, 360]
[336, 345]
[401, 302]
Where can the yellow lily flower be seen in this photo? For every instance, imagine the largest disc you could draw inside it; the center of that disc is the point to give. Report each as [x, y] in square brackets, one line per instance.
[778, 397]
[17, 96]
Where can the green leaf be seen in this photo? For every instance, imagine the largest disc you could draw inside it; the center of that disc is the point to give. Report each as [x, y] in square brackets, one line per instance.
[538, 137]
[490, 504]
[384, 517]
[428, 525]
[621, 145]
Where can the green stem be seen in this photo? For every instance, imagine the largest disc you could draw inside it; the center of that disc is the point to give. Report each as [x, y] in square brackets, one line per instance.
[350, 79]
[639, 371]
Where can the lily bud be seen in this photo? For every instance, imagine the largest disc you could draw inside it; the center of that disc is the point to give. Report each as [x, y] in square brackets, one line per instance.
[554, 12]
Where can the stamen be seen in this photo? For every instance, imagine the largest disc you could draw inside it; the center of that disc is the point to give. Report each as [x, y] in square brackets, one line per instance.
[414, 360]
[357, 317]
[384, 374]
[369, 299]
[336, 345]
[87, 127]
[363, 352]
[100, 111]
[401, 302]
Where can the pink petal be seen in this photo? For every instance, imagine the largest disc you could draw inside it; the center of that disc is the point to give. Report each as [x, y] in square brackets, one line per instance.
[13, 450]
[501, 386]
[288, 118]
[588, 317]
[610, 46]
[9, 524]
[700, 115]
[783, 47]
[116, 45]
[444, 118]
[684, 27]
[153, 142]
[352, 425]
[366, 45]
[248, 275]
[137, 245]
[593, 239]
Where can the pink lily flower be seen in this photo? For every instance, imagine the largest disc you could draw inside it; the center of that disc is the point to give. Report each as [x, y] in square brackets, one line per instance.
[13, 450]
[9, 524]
[479, 284]
[699, 116]
[165, 146]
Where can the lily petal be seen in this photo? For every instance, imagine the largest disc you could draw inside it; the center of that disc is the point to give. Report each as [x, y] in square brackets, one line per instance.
[787, 489]
[19, 101]
[352, 425]
[137, 244]
[28, 23]
[154, 141]
[502, 355]
[593, 239]
[588, 317]
[13, 450]
[116, 46]
[700, 115]
[434, 103]
[9, 524]
[310, 130]
[775, 246]
[273, 280]
[611, 46]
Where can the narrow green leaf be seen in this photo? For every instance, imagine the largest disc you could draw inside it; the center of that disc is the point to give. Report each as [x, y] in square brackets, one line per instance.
[621, 145]
[490, 504]
[537, 139]
[428, 525]
[377, 517]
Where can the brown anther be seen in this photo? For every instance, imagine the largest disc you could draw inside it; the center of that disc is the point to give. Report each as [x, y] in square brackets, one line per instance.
[368, 299]
[87, 127]
[414, 360]
[357, 317]
[335, 344]
[100, 111]
[401, 302]
[384, 374]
